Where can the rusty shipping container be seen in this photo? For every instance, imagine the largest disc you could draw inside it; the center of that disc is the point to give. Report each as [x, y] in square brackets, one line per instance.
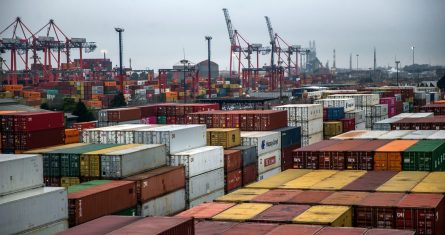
[212, 227]
[158, 182]
[250, 173]
[377, 210]
[280, 214]
[424, 213]
[307, 157]
[159, 225]
[361, 157]
[100, 200]
[123, 114]
[233, 180]
[370, 181]
[309, 197]
[300, 229]
[344, 198]
[334, 156]
[248, 153]
[232, 160]
[101, 225]
[250, 229]
[276, 196]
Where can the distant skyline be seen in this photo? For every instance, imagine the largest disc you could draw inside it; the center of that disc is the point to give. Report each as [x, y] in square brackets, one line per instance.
[156, 32]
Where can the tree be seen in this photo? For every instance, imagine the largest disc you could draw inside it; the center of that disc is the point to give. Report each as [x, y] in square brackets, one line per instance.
[82, 112]
[118, 101]
[68, 104]
[44, 106]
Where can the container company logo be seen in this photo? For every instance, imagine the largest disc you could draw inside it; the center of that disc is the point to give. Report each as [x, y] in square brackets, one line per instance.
[265, 143]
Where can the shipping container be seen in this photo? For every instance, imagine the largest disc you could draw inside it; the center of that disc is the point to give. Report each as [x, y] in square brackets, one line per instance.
[20, 172]
[344, 198]
[241, 212]
[210, 197]
[279, 179]
[205, 183]
[424, 213]
[370, 181]
[300, 229]
[389, 156]
[308, 180]
[86, 205]
[51, 228]
[290, 136]
[249, 154]
[370, 135]
[123, 114]
[377, 210]
[199, 160]
[280, 214]
[250, 228]
[250, 173]
[425, 155]
[361, 157]
[311, 197]
[332, 128]
[212, 227]
[26, 140]
[377, 231]
[336, 216]
[439, 135]
[334, 156]
[34, 121]
[241, 195]
[307, 157]
[359, 99]
[349, 135]
[394, 135]
[287, 160]
[226, 137]
[342, 231]
[302, 112]
[158, 182]
[276, 196]
[268, 161]
[233, 180]
[32, 208]
[338, 180]
[265, 141]
[432, 183]
[347, 103]
[101, 225]
[165, 205]
[159, 225]
[403, 182]
[269, 173]
[205, 210]
[126, 162]
[232, 160]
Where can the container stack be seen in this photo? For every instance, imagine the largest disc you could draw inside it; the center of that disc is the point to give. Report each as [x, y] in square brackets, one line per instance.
[26, 130]
[385, 125]
[71, 136]
[309, 117]
[425, 123]
[26, 207]
[249, 163]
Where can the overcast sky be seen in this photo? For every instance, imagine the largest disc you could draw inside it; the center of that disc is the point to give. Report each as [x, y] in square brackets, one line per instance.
[157, 31]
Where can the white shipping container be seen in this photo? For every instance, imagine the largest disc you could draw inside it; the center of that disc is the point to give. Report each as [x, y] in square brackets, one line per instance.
[93, 135]
[206, 198]
[375, 110]
[265, 141]
[360, 126]
[359, 99]
[268, 174]
[371, 120]
[439, 135]
[103, 115]
[419, 135]
[177, 138]
[311, 139]
[269, 161]
[200, 185]
[32, 208]
[20, 172]
[394, 135]
[358, 115]
[46, 229]
[349, 135]
[109, 136]
[347, 103]
[126, 162]
[385, 124]
[309, 127]
[301, 112]
[127, 136]
[421, 115]
[199, 160]
[370, 135]
[166, 205]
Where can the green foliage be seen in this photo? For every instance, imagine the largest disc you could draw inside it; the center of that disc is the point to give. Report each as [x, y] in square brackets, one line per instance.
[68, 104]
[83, 114]
[118, 101]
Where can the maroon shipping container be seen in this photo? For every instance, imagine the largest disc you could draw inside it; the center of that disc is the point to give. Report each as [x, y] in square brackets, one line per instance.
[309, 197]
[380, 231]
[232, 160]
[267, 120]
[307, 157]
[342, 231]
[38, 121]
[348, 124]
[124, 114]
[424, 213]
[250, 229]
[158, 182]
[250, 173]
[377, 210]
[280, 213]
[370, 181]
[159, 226]
[297, 229]
[33, 139]
[233, 180]
[92, 203]
[287, 160]
[276, 196]
[247, 120]
[101, 225]
[212, 227]
[361, 157]
[232, 119]
[333, 156]
[344, 198]
[148, 110]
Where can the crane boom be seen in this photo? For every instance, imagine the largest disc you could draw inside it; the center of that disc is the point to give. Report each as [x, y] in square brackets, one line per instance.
[269, 27]
[229, 26]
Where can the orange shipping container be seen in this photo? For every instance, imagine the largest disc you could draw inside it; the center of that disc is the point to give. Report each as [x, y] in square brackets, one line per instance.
[31, 94]
[110, 84]
[12, 87]
[389, 156]
[71, 133]
[96, 104]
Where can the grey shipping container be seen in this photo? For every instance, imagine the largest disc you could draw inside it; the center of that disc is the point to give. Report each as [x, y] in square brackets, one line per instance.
[46, 229]
[206, 198]
[249, 154]
[199, 160]
[203, 184]
[168, 204]
[20, 172]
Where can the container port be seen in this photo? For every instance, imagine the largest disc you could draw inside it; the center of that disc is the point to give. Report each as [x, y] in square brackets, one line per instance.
[106, 133]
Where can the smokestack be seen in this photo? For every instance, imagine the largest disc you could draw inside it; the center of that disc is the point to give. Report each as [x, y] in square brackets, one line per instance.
[350, 62]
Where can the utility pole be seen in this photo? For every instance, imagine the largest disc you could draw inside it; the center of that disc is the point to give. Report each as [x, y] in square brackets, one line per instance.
[357, 61]
[397, 68]
[209, 76]
[121, 71]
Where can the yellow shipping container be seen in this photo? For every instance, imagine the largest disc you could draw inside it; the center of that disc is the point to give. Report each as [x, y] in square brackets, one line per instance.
[308, 180]
[336, 216]
[68, 181]
[241, 195]
[403, 182]
[242, 212]
[226, 137]
[332, 128]
[339, 180]
[53, 148]
[90, 161]
[433, 183]
[279, 179]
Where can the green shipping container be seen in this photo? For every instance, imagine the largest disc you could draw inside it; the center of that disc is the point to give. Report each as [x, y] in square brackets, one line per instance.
[425, 155]
[161, 120]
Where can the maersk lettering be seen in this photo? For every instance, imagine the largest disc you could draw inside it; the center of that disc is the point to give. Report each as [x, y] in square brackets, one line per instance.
[272, 143]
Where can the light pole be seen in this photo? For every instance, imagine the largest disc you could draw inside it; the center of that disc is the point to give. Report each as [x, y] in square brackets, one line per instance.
[412, 48]
[397, 68]
[209, 76]
[184, 62]
[121, 72]
[357, 60]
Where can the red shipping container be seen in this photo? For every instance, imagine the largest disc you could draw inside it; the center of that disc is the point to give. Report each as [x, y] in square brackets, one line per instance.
[148, 110]
[424, 213]
[307, 157]
[38, 121]
[370, 181]
[250, 229]
[33, 139]
[280, 214]
[287, 160]
[361, 157]
[233, 119]
[312, 197]
[333, 156]
[250, 173]
[276, 196]
[232, 160]
[158, 182]
[97, 201]
[124, 114]
[84, 125]
[233, 180]
[103, 225]
[379, 231]
[171, 120]
[348, 124]
[159, 225]
[342, 231]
